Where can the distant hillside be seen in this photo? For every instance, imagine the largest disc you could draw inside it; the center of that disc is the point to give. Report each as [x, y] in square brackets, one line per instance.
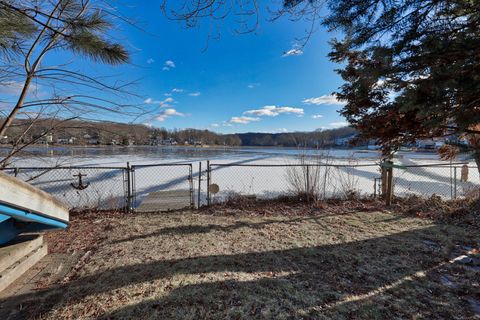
[319, 138]
[86, 133]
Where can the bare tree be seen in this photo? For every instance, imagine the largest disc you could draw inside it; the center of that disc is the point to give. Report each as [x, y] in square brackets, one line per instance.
[247, 14]
[30, 30]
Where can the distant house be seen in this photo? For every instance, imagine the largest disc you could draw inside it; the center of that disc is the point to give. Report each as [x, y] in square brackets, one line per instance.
[345, 141]
[430, 144]
[45, 139]
[93, 141]
[165, 142]
[458, 139]
[373, 145]
[70, 140]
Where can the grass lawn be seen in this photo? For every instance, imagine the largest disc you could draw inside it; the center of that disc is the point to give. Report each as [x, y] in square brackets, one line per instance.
[363, 265]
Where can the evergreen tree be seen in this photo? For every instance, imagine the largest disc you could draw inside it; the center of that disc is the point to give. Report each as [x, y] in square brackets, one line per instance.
[412, 68]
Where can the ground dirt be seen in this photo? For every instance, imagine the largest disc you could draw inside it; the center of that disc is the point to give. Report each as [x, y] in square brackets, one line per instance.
[277, 263]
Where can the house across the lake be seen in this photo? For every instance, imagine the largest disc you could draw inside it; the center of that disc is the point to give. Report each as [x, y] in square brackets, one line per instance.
[430, 144]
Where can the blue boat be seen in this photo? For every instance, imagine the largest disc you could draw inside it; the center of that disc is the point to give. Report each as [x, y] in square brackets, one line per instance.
[24, 208]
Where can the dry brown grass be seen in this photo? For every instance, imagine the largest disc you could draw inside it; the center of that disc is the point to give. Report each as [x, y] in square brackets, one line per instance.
[357, 265]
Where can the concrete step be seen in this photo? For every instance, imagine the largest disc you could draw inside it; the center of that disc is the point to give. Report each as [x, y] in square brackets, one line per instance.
[18, 248]
[19, 256]
[165, 200]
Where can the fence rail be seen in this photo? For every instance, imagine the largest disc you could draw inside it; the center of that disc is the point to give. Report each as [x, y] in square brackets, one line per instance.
[177, 184]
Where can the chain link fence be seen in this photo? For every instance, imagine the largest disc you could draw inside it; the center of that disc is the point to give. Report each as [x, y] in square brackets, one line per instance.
[331, 181]
[444, 180]
[173, 186]
[80, 188]
[161, 186]
[266, 181]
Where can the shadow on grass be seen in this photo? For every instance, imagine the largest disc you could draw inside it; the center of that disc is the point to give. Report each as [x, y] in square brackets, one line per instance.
[199, 229]
[290, 283]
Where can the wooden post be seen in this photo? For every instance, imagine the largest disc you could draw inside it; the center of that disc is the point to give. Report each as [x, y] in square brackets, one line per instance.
[383, 176]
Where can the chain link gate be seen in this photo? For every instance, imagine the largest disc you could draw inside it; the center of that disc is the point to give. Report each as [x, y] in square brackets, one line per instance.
[161, 187]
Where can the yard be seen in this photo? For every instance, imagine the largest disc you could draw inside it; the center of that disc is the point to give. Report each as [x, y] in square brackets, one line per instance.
[320, 265]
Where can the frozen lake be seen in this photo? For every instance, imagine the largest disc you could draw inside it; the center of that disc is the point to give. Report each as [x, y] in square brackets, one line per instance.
[113, 156]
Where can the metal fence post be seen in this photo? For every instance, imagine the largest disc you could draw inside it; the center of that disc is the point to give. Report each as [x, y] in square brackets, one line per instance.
[208, 182]
[191, 185]
[388, 198]
[308, 184]
[199, 182]
[454, 182]
[129, 188]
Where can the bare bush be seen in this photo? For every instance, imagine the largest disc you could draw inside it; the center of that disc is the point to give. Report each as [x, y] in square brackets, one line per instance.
[308, 179]
[347, 180]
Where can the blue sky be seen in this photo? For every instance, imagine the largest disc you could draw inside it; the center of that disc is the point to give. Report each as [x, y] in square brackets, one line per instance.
[240, 83]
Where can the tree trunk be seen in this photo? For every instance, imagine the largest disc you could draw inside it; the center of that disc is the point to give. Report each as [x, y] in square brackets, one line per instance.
[476, 156]
[18, 106]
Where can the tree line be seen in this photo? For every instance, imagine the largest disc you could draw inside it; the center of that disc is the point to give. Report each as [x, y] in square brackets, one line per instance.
[76, 132]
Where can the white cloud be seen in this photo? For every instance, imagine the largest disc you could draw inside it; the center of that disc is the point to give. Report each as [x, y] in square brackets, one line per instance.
[194, 94]
[14, 88]
[150, 61]
[215, 125]
[293, 52]
[226, 124]
[338, 124]
[273, 111]
[325, 99]
[169, 64]
[11, 88]
[177, 90]
[253, 85]
[317, 116]
[148, 124]
[163, 103]
[167, 113]
[282, 130]
[243, 120]
[167, 94]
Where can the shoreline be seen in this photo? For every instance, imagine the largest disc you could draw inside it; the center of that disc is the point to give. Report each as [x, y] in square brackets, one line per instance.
[214, 147]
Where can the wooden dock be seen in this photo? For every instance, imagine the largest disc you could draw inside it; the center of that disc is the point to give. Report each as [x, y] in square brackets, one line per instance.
[165, 201]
